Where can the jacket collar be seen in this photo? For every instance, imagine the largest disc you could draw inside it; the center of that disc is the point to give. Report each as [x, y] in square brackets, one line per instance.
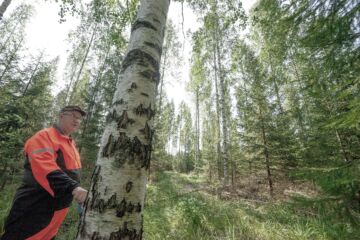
[58, 130]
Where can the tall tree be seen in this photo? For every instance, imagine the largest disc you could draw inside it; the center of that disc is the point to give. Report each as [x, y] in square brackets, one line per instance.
[118, 184]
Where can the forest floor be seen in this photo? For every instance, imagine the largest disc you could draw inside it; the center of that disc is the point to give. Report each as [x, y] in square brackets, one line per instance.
[183, 206]
[186, 207]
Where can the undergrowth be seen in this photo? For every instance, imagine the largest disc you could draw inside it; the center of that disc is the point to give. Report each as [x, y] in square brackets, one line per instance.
[171, 213]
[178, 208]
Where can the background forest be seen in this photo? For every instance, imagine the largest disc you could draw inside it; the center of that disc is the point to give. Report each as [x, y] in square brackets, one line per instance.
[266, 142]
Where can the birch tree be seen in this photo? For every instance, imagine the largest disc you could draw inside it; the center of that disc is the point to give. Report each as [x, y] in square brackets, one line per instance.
[5, 4]
[115, 203]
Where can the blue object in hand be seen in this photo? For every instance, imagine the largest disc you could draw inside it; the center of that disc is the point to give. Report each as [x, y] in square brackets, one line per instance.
[80, 209]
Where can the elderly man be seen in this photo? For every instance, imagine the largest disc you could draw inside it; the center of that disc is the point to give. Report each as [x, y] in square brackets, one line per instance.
[51, 181]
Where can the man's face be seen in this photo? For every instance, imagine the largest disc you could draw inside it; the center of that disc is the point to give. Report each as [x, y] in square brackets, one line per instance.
[70, 121]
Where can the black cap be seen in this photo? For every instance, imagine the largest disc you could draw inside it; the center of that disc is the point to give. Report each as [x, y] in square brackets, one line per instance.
[73, 108]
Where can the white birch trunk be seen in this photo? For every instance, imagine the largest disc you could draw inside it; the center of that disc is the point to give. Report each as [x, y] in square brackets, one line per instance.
[3, 7]
[115, 203]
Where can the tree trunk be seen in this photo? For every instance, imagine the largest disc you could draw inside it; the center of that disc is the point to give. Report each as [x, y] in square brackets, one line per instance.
[225, 154]
[114, 207]
[92, 102]
[162, 81]
[342, 146]
[197, 123]
[276, 86]
[266, 155]
[68, 101]
[219, 156]
[32, 75]
[3, 7]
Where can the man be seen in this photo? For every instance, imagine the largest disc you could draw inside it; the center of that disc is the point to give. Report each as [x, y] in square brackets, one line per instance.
[51, 181]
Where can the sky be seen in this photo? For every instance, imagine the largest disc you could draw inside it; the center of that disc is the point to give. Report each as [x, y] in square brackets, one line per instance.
[44, 32]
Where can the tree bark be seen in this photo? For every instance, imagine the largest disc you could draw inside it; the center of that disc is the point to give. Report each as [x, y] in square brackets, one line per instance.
[266, 154]
[3, 7]
[114, 207]
[197, 123]
[225, 154]
[162, 81]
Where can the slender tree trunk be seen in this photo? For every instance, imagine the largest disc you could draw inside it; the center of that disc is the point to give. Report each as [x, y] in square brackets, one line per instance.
[162, 80]
[218, 145]
[3, 7]
[342, 146]
[225, 153]
[266, 154]
[197, 123]
[32, 75]
[81, 68]
[115, 204]
[92, 103]
[276, 87]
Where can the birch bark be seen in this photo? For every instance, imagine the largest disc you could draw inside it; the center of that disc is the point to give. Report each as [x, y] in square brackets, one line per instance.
[114, 207]
[3, 7]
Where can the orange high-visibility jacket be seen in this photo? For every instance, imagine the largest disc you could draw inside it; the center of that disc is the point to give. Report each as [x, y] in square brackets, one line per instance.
[52, 166]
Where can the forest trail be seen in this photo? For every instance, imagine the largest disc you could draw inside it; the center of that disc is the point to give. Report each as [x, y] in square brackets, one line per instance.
[182, 206]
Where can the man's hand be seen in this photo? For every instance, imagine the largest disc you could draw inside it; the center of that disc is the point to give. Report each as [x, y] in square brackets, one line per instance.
[79, 194]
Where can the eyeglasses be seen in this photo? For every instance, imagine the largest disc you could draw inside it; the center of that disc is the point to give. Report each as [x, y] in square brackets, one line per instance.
[74, 116]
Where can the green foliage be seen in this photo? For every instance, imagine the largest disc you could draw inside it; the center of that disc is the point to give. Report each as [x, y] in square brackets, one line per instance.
[68, 229]
[5, 203]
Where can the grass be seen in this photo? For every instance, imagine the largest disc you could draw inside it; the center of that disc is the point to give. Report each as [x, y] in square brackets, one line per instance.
[177, 207]
[69, 227]
[6, 198]
[172, 214]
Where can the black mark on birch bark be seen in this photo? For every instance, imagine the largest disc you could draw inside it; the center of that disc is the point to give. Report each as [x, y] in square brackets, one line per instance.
[95, 236]
[124, 120]
[125, 149]
[101, 205]
[141, 110]
[128, 186]
[112, 201]
[94, 188]
[125, 233]
[141, 23]
[110, 116]
[130, 207]
[154, 46]
[151, 75]
[121, 208]
[138, 207]
[147, 131]
[132, 87]
[119, 102]
[144, 94]
[156, 20]
[137, 56]
[109, 147]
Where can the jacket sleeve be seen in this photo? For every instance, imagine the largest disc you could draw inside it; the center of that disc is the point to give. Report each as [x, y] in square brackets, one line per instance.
[42, 157]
